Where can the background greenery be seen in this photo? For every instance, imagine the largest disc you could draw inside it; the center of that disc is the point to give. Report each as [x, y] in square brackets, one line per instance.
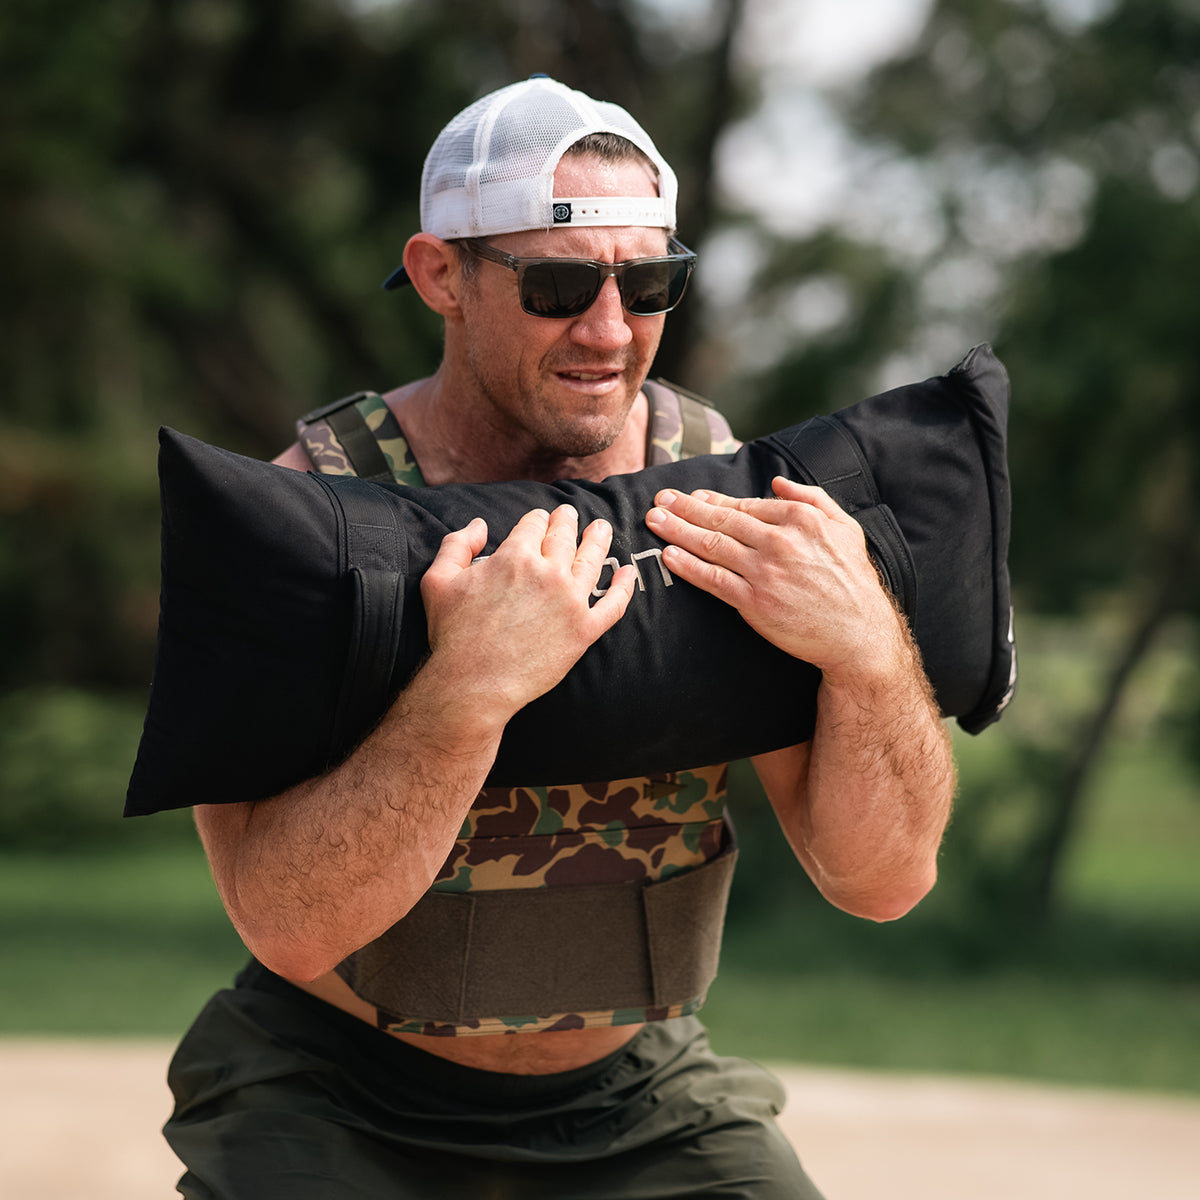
[198, 200]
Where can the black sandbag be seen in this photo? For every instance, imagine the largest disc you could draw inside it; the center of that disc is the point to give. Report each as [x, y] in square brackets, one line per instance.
[291, 615]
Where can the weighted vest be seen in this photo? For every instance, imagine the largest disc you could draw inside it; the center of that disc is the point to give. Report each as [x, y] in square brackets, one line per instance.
[562, 907]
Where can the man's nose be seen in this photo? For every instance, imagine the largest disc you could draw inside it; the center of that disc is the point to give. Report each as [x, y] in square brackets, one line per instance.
[604, 322]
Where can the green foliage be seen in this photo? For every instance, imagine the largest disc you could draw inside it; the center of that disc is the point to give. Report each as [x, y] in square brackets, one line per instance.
[78, 562]
[65, 758]
[1058, 182]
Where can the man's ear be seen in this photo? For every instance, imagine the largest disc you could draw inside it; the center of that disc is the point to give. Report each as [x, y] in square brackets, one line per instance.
[434, 269]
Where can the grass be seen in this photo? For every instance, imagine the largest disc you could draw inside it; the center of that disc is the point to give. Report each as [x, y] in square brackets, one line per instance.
[1097, 997]
[127, 943]
[1118, 1033]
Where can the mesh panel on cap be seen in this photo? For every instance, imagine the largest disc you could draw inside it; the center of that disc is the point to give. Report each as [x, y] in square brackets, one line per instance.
[491, 169]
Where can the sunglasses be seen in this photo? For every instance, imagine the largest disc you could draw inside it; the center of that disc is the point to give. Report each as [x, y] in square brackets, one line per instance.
[567, 287]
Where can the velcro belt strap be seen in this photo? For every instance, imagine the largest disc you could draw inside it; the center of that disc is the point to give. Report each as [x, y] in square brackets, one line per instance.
[458, 956]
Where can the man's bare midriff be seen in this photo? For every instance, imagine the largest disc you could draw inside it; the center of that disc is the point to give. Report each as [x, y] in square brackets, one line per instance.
[514, 1053]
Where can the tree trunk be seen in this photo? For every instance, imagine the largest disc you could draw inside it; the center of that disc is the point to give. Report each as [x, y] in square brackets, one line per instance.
[1178, 569]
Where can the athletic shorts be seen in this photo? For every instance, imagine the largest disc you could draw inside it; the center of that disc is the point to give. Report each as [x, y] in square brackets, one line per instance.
[279, 1095]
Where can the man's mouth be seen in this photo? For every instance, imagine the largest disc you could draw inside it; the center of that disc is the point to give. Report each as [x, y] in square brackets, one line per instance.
[589, 376]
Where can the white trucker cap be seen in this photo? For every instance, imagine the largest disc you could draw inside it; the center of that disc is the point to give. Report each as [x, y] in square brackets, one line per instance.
[491, 170]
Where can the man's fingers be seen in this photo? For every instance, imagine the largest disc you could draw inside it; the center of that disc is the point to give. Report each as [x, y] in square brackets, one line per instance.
[789, 489]
[610, 608]
[713, 532]
[454, 556]
[733, 515]
[593, 550]
[461, 546]
[763, 508]
[562, 531]
[530, 530]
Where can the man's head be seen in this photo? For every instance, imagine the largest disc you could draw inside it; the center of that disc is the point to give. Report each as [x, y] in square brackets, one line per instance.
[546, 246]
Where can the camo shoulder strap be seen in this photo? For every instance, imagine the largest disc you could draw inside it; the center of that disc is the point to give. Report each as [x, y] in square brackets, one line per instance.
[359, 435]
[683, 425]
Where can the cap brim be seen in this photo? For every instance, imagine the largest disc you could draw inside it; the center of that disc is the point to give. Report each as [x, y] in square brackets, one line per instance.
[398, 278]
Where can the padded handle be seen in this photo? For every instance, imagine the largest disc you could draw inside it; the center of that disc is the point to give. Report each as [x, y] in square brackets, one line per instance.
[373, 548]
[832, 459]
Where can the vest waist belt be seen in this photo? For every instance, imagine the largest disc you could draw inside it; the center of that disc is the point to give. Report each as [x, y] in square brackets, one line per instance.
[461, 956]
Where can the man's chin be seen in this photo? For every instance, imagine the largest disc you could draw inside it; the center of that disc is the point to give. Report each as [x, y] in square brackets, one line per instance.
[589, 426]
[581, 445]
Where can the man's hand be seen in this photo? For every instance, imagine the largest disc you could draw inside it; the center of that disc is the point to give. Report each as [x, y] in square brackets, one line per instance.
[864, 804]
[795, 567]
[513, 624]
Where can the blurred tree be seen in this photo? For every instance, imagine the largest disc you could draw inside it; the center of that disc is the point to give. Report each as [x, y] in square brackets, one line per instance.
[1030, 176]
[198, 201]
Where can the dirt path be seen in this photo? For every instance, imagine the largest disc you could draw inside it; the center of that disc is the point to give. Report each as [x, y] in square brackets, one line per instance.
[79, 1121]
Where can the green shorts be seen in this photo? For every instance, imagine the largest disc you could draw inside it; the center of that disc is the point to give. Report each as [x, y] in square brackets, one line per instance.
[280, 1095]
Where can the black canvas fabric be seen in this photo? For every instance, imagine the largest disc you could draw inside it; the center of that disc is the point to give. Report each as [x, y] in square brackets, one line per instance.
[291, 615]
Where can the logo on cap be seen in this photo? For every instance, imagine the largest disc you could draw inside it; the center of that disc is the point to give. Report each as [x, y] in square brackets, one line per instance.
[562, 214]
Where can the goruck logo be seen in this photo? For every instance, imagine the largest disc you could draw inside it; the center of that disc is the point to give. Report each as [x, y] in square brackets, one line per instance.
[613, 564]
[562, 214]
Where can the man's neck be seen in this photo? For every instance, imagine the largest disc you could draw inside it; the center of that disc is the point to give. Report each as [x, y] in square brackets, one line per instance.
[453, 446]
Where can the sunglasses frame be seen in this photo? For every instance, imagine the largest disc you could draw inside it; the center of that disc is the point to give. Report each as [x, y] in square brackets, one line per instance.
[679, 253]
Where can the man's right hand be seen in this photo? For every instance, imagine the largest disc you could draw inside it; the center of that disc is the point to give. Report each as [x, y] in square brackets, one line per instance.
[506, 628]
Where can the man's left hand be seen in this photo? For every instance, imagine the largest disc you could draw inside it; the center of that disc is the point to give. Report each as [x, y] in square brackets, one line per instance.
[796, 567]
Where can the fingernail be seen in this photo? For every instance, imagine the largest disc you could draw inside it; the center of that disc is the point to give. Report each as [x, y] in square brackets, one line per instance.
[666, 497]
[702, 495]
[655, 516]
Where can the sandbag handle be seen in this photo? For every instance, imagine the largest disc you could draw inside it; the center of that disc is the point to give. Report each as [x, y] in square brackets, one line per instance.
[374, 561]
[832, 459]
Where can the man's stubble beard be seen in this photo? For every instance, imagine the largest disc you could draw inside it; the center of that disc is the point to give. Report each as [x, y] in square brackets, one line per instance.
[556, 434]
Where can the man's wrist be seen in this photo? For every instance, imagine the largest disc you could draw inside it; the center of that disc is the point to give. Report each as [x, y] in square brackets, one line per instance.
[453, 712]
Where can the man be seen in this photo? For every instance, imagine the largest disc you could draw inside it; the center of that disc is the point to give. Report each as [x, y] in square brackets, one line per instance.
[328, 1071]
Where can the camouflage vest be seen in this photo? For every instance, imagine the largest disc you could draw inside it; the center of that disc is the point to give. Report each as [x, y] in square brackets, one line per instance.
[582, 837]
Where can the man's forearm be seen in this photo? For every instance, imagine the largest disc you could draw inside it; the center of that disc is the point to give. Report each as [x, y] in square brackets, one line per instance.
[880, 784]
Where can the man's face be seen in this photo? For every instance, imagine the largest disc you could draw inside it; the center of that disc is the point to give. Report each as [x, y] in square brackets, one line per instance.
[564, 385]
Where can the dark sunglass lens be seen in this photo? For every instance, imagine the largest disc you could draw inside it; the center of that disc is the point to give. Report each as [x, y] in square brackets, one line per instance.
[653, 287]
[561, 289]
